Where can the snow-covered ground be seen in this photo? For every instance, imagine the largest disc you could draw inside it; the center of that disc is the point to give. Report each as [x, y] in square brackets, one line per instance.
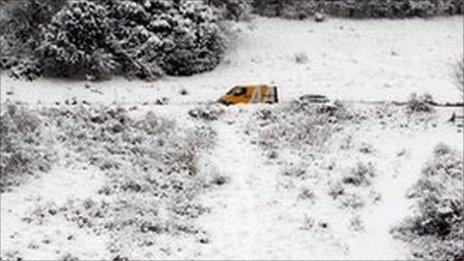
[347, 59]
[259, 213]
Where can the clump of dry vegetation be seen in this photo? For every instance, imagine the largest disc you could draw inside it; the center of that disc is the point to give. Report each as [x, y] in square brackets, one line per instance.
[25, 146]
[208, 113]
[420, 104]
[301, 58]
[360, 175]
[297, 125]
[435, 231]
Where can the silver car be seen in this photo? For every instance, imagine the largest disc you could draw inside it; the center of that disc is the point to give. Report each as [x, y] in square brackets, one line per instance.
[314, 99]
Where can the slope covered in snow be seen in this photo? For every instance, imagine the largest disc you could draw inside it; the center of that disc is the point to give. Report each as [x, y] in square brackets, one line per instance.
[296, 204]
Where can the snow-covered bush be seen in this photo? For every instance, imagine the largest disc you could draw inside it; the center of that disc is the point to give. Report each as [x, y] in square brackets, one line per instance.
[293, 9]
[393, 8]
[134, 38]
[295, 171]
[24, 18]
[199, 42]
[420, 103]
[24, 148]
[20, 28]
[237, 10]
[26, 68]
[209, 113]
[76, 42]
[352, 201]
[435, 232]
[173, 37]
[9, 55]
[360, 175]
[297, 125]
[203, 137]
[301, 58]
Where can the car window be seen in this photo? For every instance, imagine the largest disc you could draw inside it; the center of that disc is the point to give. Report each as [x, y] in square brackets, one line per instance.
[313, 97]
[237, 91]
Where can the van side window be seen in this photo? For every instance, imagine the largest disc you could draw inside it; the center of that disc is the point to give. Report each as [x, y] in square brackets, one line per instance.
[237, 91]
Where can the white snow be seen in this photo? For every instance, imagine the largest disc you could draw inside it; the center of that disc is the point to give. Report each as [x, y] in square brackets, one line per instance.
[50, 191]
[348, 59]
[252, 218]
[257, 214]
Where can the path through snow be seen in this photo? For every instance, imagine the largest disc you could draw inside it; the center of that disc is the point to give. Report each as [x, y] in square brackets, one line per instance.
[257, 215]
[251, 217]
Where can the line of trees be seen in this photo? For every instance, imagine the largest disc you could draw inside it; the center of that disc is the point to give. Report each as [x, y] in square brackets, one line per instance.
[297, 9]
[99, 39]
[150, 38]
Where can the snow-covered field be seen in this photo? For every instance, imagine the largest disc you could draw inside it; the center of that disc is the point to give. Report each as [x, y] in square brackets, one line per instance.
[284, 206]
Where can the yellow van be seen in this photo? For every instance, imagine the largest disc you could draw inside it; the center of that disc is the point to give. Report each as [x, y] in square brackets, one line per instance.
[260, 93]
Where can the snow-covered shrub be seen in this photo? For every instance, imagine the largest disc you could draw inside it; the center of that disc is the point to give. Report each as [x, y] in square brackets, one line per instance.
[237, 10]
[298, 126]
[301, 58]
[319, 17]
[69, 257]
[176, 37]
[296, 9]
[203, 137]
[351, 201]
[420, 103]
[9, 55]
[435, 231]
[295, 171]
[360, 175]
[220, 180]
[336, 190]
[26, 68]
[162, 101]
[24, 148]
[76, 42]
[366, 148]
[24, 18]
[293, 9]
[357, 224]
[307, 194]
[20, 27]
[209, 113]
[199, 42]
[308, 223]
